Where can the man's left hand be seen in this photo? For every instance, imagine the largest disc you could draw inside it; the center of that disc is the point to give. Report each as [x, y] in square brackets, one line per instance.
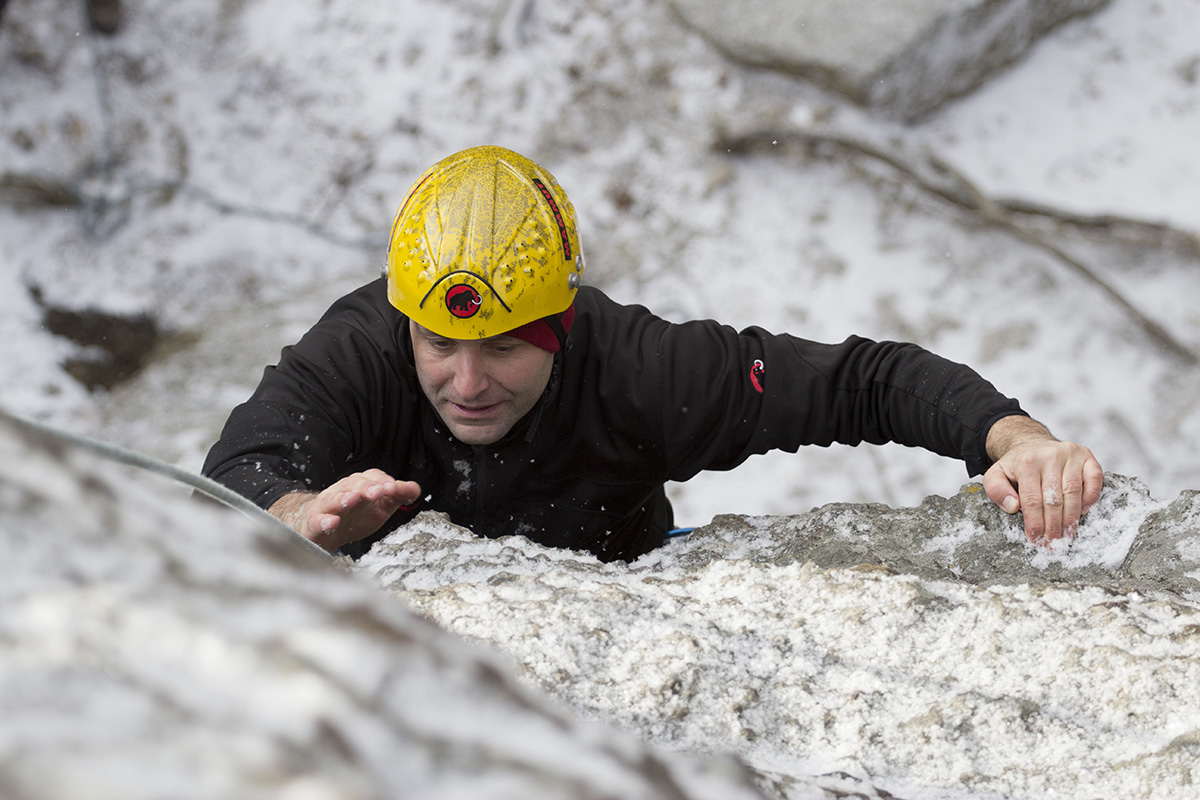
[1053, 483]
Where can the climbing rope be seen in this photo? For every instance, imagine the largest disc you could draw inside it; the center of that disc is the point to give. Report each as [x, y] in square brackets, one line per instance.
[206, 486]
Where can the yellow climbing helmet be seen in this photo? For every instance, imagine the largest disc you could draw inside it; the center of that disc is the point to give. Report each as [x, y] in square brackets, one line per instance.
[485, 242]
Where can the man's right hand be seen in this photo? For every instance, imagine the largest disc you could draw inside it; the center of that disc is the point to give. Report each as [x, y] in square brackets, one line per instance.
[349, 510]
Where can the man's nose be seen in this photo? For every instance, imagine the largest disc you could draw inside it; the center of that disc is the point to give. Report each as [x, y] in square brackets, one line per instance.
[470, 377]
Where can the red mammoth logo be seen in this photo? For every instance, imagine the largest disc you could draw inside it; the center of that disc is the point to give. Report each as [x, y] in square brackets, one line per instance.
[757, 374]
[463, 301]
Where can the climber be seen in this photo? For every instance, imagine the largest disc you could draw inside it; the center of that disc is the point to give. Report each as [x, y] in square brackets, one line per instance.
[480, 378]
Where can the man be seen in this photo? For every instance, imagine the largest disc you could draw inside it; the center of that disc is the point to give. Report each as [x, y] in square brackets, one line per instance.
[478, 378]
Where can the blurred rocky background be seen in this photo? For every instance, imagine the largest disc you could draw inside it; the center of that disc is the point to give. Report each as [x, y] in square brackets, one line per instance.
[1010, 184]
[186, 186]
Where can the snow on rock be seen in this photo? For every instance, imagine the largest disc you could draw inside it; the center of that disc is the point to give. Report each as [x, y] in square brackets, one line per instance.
[907, 58]
[231, 171]
[926, 652]
[153, 647]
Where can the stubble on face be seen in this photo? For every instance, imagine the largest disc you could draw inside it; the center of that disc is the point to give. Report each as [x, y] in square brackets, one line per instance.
[480, 388]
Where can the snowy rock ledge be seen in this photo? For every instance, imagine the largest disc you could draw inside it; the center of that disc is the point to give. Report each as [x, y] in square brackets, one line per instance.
[925, 652]
[153, 647]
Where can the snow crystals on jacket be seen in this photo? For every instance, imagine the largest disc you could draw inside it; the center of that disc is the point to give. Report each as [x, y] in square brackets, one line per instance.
[634, 401]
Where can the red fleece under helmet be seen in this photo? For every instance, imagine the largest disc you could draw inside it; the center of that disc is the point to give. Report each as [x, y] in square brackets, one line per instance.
[541, 334]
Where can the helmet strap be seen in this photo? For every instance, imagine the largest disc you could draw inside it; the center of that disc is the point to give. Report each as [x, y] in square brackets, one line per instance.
[556, 327]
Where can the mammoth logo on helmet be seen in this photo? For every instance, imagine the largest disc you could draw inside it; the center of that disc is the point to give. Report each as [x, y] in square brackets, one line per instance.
[463, 301]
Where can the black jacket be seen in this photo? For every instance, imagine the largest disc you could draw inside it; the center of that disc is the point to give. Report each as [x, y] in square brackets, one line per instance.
[634, 401]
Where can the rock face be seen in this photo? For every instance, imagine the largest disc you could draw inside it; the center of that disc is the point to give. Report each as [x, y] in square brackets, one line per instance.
[923, 652]
[905, 57]
[151, 647]
[154, 647]
[1134, 544]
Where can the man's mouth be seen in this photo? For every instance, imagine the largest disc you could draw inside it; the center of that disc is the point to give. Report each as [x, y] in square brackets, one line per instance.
[474, 411]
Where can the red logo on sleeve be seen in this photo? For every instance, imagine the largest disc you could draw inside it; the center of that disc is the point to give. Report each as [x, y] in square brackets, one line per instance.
[757, 374]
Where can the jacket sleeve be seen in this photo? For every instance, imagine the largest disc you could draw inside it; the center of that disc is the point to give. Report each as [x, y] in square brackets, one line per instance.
[735, 395]
[320, 413]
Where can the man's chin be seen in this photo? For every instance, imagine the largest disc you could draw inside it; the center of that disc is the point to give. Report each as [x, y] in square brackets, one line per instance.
[476, 434]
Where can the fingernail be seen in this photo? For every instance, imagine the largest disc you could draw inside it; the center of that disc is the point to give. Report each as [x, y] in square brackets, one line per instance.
[1010, 505]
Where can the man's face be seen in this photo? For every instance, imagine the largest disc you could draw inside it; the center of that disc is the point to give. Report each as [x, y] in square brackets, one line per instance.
[480, 388]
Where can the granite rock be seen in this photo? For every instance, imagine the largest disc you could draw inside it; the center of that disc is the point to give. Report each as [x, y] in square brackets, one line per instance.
[904, 57]
[152, 646]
